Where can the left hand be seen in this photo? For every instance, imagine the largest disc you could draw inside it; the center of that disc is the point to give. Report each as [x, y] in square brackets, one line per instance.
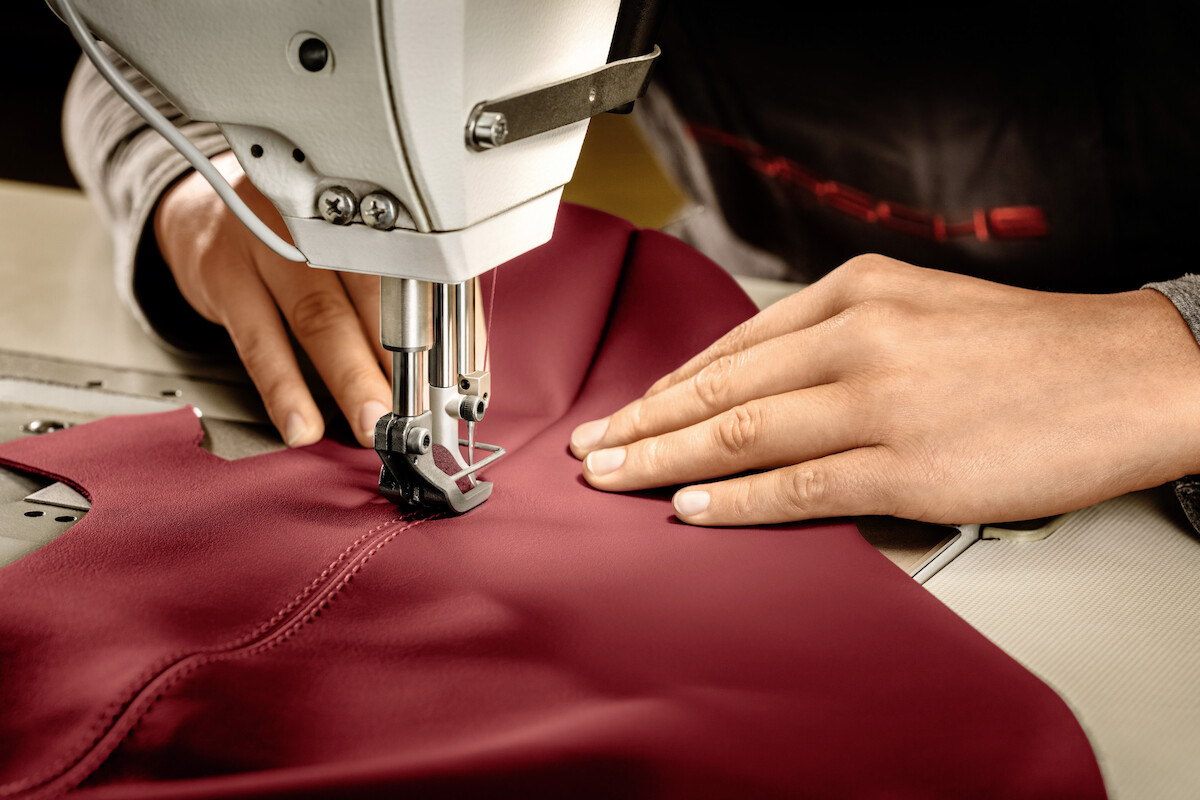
[231, 278]
[885, 388]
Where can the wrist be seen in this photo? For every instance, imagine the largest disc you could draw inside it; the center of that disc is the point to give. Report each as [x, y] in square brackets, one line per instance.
[1175, 350]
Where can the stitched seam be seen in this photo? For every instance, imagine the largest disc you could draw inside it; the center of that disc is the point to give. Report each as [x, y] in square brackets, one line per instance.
[111, 717]
[144, 699]
[177, 672]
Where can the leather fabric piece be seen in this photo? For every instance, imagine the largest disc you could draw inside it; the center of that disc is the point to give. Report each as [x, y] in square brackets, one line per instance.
[270, 627]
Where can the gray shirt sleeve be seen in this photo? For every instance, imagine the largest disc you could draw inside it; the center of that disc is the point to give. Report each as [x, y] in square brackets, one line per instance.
[1185, 294]
[125, 166]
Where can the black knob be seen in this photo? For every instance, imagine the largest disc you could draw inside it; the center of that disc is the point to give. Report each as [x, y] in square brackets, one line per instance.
[314, 54]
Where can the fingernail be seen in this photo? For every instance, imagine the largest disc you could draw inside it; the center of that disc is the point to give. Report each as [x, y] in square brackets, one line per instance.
[602, 462]
[372, 410]
[295, 429]
[589, 434]
[688, 504]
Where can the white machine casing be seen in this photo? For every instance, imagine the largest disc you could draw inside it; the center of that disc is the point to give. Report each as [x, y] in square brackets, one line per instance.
[387, 111]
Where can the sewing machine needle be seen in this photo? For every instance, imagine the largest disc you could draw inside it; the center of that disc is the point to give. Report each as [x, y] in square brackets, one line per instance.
[470, 444]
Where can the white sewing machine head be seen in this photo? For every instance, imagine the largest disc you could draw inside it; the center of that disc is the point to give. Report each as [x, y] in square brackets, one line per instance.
[426, 142]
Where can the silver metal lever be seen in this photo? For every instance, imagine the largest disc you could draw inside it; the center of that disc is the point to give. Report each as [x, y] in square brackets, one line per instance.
[494, 123]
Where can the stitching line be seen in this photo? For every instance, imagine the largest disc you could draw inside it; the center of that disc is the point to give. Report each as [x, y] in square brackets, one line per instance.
[122, 714]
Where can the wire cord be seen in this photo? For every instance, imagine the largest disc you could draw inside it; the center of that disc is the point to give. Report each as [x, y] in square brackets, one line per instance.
[172, 134]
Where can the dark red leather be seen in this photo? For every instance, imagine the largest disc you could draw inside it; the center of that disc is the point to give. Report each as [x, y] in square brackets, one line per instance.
[271, 627]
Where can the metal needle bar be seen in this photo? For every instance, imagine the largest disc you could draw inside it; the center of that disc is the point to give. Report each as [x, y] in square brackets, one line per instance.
[408, 382]
[406, 329]
[465, 306]
[443, 364]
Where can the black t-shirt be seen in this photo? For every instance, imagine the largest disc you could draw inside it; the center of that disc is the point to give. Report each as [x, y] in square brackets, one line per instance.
[1049, 146]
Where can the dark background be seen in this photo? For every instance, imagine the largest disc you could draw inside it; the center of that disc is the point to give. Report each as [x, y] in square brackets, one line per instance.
[30, 136]
[1090, 112]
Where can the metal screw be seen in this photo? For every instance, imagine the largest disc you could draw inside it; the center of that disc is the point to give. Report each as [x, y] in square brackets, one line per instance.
[40, 426]
[418, 441]
[490, 129]
[379, 210]
[338, 205]
[472, 409]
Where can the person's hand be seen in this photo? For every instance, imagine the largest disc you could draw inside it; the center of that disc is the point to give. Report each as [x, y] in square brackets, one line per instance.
[233, 279]
[890, 389]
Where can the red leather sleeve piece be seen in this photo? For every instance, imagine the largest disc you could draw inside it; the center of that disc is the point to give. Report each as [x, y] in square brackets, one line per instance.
[269, 627]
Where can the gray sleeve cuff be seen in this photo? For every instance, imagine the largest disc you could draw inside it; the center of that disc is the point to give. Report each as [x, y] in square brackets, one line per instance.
[1184, 293]
[125, 167]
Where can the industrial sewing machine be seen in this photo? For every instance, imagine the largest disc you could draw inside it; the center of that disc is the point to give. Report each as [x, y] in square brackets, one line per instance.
[422, 142]
[1099, 605]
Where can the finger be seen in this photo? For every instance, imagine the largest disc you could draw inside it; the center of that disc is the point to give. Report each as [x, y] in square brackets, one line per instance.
[856, 482]
[252, 319]
[326, 324]
[764, 433]
[363, 291]
[786, 363]
[860, 278]
[803, 309]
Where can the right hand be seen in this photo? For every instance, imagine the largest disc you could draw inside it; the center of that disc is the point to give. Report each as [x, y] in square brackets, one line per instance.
[234, 280]
[885, 388]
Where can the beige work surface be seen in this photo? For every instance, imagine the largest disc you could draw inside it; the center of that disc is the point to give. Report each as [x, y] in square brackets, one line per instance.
[1105, 610]
[58, 298]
